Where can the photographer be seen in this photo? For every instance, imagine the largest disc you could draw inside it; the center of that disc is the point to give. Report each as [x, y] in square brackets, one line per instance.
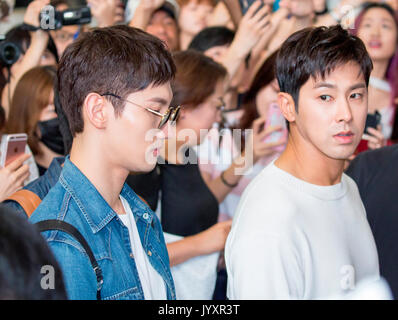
[33, 55]
[67, 34]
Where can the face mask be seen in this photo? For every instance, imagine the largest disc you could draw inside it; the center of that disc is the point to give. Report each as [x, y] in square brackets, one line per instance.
[51, 135]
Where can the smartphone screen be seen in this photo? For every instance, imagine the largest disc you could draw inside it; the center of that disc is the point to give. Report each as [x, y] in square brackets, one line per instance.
[13, 145]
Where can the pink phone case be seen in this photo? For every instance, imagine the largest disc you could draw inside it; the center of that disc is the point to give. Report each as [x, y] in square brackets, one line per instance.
[275, 118]
[14, 150]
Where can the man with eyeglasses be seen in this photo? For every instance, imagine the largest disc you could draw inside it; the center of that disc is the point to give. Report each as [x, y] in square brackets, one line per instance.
[112, 94]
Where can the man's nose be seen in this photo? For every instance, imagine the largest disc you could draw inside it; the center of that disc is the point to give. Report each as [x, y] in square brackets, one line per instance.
[344, 112]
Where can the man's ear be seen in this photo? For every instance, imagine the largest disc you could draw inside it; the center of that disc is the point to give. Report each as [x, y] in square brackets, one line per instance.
[287, 106]
[95, 109]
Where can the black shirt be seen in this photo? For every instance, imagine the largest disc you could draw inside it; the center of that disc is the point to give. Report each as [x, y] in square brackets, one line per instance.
[376, 174]
[187, 205]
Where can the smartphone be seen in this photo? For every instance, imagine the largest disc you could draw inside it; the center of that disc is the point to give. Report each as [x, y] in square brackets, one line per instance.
[12, 146]
[245, 5]
[275, 118]
[372, 121]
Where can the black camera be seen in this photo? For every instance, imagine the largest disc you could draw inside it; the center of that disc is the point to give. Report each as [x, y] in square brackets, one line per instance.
[9, 52]
[50, 19]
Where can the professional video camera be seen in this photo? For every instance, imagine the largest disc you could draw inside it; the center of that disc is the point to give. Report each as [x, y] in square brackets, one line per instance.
[9, 52]
[51, 19]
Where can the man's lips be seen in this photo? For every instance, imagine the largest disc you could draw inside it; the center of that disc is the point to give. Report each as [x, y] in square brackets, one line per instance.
[344, 137]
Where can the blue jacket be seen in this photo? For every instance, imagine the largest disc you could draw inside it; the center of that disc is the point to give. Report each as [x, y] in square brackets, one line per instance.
[75, 200]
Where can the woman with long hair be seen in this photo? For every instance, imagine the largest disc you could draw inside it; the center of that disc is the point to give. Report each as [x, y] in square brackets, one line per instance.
[32, 112]
[187, 207]
[377, 26]
[253, 134]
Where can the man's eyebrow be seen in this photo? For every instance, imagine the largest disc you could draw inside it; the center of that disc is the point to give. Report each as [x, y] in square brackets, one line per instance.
[360, 85]
[159, 100]
[324, 85]
[332, 86]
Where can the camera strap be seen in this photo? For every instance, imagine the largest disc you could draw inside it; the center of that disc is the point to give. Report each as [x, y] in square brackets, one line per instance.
[29, 27]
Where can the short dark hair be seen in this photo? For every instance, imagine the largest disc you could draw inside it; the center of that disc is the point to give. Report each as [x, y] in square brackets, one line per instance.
[117, 59]
[314, 52]
[63, 121]
[212, 37]
[196, 78]
[23, 254]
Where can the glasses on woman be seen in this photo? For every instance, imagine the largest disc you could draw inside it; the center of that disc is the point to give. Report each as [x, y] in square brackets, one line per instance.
[171, 114]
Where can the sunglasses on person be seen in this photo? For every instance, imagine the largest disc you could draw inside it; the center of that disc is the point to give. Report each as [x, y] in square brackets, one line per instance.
[171, 114]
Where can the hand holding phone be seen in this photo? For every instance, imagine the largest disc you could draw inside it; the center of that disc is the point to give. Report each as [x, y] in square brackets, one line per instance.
[245, 5]
[13, 176]
[372, 121]
[253, 28]
[275, 119]
[12, 146]
[372, 137]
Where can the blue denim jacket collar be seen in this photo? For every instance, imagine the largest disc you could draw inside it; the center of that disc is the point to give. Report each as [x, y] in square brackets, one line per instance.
[54, 170]
[90, 200]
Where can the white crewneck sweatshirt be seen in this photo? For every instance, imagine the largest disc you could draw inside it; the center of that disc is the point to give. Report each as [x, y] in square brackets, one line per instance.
[294, 240]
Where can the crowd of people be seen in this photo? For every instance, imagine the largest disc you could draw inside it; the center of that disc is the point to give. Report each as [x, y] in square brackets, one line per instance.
[202, 149]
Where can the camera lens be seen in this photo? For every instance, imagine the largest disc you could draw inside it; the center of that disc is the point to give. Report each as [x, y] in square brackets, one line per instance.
[9, 53]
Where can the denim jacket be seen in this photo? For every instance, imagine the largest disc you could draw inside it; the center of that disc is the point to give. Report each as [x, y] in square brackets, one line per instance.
[75, 200]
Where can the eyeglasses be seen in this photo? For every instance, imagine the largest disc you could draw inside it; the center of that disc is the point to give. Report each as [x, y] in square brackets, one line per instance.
[171, 114]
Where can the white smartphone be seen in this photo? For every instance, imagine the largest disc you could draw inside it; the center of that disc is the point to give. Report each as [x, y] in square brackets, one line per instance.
[12, 146]
[275, 118]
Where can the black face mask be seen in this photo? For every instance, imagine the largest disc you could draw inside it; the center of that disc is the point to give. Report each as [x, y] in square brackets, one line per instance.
[51, 135]
[324, 11]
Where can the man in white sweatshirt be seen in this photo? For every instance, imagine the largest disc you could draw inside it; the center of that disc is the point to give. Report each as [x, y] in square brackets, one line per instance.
[300, 230]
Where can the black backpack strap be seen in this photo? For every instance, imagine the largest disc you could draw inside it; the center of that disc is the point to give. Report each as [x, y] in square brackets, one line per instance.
[47, 225]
